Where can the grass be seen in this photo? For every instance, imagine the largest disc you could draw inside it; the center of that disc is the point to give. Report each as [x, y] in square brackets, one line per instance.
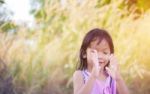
[42, 60]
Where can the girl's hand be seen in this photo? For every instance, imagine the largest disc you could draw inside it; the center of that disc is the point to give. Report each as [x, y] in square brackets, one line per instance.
[95, 61]
[112, 69]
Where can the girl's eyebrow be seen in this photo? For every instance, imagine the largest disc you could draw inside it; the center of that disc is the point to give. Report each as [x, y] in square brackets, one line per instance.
[105, 49]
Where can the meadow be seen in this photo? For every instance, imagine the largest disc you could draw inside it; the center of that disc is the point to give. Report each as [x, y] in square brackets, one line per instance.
[42, 60]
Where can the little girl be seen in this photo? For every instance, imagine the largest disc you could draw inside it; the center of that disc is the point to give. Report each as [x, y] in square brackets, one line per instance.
[98, 71]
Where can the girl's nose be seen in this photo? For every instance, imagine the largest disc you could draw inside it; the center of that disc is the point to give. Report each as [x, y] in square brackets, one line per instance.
[100, 55]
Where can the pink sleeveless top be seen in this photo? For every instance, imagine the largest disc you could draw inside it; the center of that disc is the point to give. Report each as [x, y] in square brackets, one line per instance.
[101, 87]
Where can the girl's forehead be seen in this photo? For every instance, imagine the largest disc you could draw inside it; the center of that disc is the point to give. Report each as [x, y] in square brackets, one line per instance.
[103, 44]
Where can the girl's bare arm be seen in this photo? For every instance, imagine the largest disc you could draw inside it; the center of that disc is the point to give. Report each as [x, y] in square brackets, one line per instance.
[79, 86]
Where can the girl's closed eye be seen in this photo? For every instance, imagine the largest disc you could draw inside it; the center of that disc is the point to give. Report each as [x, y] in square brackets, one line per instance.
[106, 53]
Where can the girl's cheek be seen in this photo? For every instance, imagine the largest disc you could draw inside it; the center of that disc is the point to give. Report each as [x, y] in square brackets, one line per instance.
[107, 58]
[89, 57]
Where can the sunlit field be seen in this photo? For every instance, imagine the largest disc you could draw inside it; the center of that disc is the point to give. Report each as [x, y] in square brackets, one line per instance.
[42, 60]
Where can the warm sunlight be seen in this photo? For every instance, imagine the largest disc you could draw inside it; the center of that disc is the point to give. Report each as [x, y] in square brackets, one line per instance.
[20, 9]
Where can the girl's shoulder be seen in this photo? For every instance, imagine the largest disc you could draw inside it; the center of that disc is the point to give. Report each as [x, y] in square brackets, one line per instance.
[77, 73]
[78, 78]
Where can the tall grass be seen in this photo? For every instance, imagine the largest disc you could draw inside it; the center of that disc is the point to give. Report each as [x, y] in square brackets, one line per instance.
[42, 60]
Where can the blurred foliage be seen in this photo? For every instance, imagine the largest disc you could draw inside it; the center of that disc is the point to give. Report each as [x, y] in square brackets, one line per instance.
[1, 1]
[6, 86]
[5, 13]
[42, 59]
[7, 26]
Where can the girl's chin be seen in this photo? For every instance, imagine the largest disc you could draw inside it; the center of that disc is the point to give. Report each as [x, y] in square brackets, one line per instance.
[103, 64]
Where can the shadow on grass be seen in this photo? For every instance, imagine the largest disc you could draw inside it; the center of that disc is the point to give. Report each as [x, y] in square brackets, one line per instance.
[6, 85]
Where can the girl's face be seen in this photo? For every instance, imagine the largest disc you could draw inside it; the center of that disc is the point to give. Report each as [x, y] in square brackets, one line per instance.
[103, 51]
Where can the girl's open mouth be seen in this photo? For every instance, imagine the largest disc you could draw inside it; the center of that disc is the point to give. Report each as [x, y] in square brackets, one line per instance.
[101, 62]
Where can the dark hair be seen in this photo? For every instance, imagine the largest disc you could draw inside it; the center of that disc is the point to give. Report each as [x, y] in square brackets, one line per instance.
[93, 35]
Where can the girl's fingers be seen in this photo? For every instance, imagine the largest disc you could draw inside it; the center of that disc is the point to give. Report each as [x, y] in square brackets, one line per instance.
[113, 60]
[94, 56]
[110, 57]
[114, 68]
[108, 70]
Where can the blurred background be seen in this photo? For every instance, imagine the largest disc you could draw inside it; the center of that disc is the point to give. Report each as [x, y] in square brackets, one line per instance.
[40, 41]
